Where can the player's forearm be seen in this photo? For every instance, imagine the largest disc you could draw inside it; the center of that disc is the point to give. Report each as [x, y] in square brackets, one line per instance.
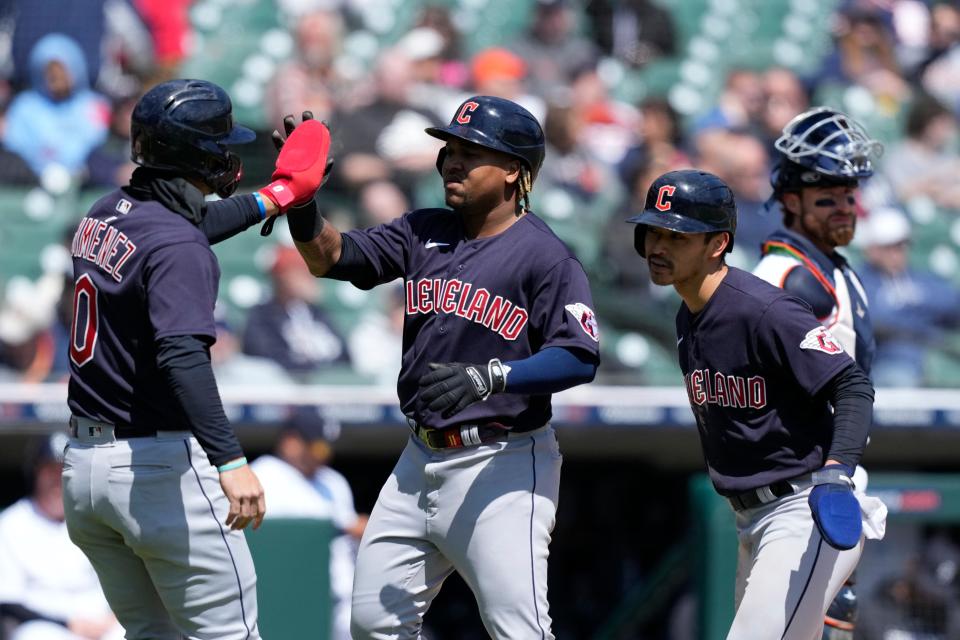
[186, 364]
[319, 243]
[228, 217]
[549, 371]
[851, 395]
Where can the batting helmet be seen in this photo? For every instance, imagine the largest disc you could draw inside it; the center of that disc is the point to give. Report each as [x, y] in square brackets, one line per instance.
[498, 124]
[686, 201]
[823, 147]
[184, 126]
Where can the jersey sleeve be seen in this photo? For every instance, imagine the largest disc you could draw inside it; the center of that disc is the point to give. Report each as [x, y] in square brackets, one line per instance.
[562, 309]
[385, 248]
[789, 338]
[181, 288]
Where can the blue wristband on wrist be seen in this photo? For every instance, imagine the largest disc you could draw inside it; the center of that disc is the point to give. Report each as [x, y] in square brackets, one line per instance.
[233, 464]
[260, 205]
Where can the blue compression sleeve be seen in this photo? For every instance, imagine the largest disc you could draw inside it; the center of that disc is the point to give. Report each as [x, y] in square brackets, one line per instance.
[548, 371]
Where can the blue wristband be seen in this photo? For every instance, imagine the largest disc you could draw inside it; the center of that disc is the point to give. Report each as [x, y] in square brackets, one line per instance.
[263, 208]
[233, 464]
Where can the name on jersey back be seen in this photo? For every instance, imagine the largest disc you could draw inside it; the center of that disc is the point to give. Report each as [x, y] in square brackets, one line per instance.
[103, 245]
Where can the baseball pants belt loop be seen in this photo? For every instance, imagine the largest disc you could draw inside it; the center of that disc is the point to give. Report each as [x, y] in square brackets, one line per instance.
[768, 493]
[459, 436]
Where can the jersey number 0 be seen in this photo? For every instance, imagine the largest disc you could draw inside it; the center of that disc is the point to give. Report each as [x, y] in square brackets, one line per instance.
[83, 333]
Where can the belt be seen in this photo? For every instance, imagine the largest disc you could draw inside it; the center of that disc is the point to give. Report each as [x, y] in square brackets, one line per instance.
[461, 435]
[768, 493]
[85, 428]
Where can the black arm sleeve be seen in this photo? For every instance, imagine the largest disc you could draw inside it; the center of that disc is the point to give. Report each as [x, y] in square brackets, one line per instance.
[228, 217]
[21, 614]
[305, 221]
[851, 394]
[186, 363]
[353, 266]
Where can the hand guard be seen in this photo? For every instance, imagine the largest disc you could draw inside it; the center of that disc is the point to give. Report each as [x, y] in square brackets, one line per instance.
[289, 124]
[452, 387]
[301, 165]
[835, 509]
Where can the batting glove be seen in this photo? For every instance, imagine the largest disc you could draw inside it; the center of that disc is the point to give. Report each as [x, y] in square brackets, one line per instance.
[835, 509]
[452, 387]
[301, 165]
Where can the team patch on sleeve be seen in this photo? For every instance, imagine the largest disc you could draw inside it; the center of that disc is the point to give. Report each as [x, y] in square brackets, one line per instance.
[822, 340]
[587, 319]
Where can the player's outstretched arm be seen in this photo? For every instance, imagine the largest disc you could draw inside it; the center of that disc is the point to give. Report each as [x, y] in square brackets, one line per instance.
[452, 387]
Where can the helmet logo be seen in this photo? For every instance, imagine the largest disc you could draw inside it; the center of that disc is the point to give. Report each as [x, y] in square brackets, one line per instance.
[665, 190]
[463, 116]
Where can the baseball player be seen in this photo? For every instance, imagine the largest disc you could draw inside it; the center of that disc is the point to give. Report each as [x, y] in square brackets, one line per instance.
[783, 411]
[156, 488]
[498, 317]
[823, 156]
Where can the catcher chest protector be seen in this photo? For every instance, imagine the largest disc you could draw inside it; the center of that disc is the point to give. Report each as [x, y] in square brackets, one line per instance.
[184, 126]
[498, 124]
[686, 201]
[823, 147]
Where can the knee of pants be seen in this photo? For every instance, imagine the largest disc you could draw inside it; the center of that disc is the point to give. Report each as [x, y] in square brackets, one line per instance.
[370, 620]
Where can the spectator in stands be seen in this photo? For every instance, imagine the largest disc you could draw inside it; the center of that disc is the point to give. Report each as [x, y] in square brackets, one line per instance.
[381, 202]
[109, 165]
[910, 308]
[299, 483]
[232, 367]
[864, 55]
[784, 98]
[430, 84]
[168, 22]
[742, 162]
[552, 49]
[739, 106]
[383, 138]
[495, 71]
[291, 328]
[114, 42]
[376, 342]
[926, 163]
[633, 31]
[309, 81]
[26, 339]
[48, 588]
[57, 123]
[939, 72]
[453, 71]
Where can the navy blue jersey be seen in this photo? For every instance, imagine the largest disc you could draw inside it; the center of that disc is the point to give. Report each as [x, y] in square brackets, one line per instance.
[469, 300]
[753, 360]
[141, 273]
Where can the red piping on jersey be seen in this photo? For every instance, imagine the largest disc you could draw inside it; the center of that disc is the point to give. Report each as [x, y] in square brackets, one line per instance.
[773, 245]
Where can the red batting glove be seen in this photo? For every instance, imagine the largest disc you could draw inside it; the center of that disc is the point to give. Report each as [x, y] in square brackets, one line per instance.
[300, 166]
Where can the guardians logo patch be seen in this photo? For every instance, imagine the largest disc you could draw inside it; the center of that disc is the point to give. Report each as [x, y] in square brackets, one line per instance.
[821, 339]
[587, 319]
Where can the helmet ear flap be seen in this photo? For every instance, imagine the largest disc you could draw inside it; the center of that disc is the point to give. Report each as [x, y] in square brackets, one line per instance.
[440, 157]
[640, 239]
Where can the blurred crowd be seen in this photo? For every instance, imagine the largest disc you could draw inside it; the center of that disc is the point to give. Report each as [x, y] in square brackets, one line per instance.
[70, 71]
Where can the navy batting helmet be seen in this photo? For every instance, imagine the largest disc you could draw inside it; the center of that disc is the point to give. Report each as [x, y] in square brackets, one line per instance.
[686, 201]
[823, 147]
[185, 126]
[499, 124]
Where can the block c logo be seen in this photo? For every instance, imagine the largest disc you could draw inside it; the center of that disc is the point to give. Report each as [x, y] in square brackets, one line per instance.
[463, 116]
[665, 190]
